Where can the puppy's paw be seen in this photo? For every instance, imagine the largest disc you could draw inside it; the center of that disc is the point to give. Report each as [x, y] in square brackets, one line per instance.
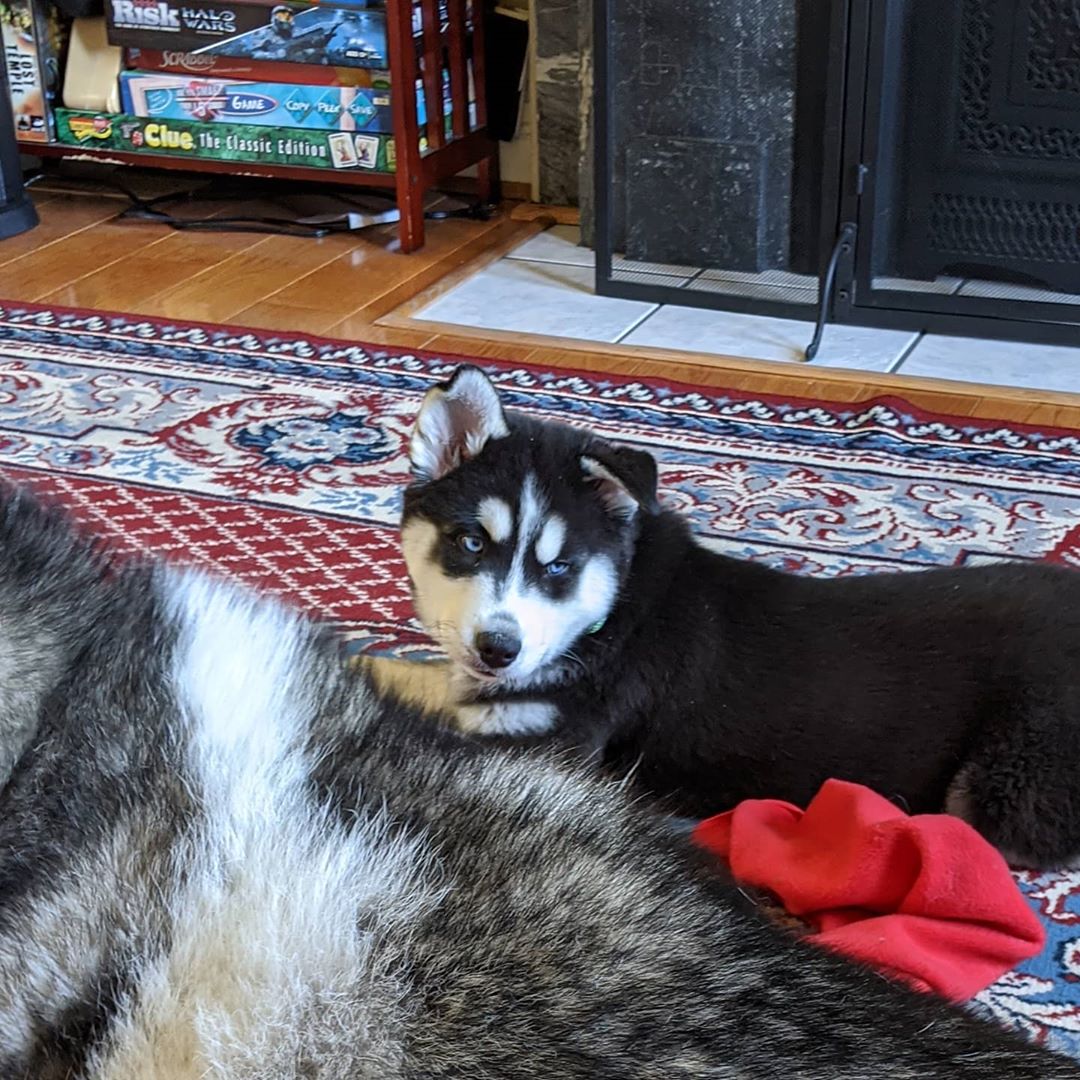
[507, 718]
[426, 685]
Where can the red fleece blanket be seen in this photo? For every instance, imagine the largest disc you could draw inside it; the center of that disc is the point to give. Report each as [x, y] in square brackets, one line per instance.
[923, 898]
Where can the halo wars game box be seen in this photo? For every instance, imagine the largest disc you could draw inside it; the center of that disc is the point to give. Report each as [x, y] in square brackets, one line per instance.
[347, 33]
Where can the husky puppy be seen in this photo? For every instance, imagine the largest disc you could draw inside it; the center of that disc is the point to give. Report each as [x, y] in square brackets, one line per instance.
[223, 854]
[573, 606]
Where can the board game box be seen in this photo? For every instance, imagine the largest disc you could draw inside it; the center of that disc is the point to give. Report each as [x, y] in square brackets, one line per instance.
[337, 34]
[344, 33]
[327, 108]
[33, 39]
[301, 33]
[207, 65]
[227, 141]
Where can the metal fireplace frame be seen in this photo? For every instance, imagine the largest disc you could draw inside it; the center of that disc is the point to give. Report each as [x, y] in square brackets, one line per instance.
[855, 92]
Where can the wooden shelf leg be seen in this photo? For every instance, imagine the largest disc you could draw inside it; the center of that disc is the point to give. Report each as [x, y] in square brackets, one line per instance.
[410, 167]
[410, 200]
[487, 174]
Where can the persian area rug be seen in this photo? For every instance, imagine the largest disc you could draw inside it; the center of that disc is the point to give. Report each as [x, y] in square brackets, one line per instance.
[279, 460]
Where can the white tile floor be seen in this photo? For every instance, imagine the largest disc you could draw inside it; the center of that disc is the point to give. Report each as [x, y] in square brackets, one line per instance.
[545, 286]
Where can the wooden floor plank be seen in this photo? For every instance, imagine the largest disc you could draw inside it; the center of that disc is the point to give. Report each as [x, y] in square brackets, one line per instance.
[1038, 414]
[447, 270]
[133, 282]
[170, 261]
[402, 339]
[492, 350]
[222, 290]
[112, 262]
[557, 215]
[371, 268]
[61, 216]
[64, 262]
[271, 314]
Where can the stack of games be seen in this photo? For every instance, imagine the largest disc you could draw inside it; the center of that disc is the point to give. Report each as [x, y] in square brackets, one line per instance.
[33, 39]
[295, 83]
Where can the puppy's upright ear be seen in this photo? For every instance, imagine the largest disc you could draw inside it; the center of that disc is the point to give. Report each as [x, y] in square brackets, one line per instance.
[455, 423]
[625, 479]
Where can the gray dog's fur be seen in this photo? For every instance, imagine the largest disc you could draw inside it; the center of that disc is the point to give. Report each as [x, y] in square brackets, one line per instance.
[223, 855]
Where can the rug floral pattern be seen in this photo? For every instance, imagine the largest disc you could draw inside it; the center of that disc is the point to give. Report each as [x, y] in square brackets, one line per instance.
[279, 460]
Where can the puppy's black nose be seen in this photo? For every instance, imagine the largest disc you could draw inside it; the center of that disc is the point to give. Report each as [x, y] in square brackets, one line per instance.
[497, 650]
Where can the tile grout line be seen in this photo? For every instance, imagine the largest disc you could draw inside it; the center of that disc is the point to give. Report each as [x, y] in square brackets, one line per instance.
[637, 323]
[633, 268]
[629, 268]
[548, 262]
[905, 354]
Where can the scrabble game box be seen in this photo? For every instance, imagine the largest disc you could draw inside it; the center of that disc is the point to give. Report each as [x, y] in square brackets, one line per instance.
[207, 65]
[227, 141]
[327, 108]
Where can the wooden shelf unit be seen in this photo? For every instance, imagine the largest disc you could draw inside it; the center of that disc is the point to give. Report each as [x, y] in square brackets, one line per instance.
[442, 46]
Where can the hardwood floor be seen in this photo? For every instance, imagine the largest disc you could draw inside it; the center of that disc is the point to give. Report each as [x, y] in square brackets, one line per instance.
[81, 256]
[360, 287]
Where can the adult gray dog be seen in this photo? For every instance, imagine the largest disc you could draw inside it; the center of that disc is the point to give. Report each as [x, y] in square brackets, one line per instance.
[223, 854]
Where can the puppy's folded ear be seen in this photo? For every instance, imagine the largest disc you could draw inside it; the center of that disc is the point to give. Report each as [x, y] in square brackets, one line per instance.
[455, 423]
[625, 479]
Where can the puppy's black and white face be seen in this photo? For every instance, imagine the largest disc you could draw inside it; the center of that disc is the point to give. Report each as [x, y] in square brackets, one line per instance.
[517, 534]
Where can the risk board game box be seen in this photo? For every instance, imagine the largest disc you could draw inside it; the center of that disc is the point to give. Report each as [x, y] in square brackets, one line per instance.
[227, 141]
[344, 33]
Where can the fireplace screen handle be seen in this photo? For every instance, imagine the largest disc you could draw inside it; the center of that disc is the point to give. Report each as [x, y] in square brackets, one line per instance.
[845, 244]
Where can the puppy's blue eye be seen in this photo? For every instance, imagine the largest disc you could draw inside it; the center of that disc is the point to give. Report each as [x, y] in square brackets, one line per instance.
[554, 569]
[471, 543]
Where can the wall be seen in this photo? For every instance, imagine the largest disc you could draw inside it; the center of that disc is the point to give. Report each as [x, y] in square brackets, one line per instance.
[518, 160]
[559, 92]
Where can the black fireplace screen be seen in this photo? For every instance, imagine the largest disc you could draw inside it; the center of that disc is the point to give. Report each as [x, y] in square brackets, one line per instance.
[904, 163]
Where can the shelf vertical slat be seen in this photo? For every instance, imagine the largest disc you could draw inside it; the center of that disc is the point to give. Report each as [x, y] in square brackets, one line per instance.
[410, 178]
[487, 169]
[457, 37]
[479, 22]
[431, 30]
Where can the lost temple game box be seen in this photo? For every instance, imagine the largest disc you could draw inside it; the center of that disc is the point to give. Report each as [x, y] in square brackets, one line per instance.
[33, 37]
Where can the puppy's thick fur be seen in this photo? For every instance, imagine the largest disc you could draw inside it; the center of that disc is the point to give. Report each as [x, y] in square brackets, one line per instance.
[223, 855]
[714, 680]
